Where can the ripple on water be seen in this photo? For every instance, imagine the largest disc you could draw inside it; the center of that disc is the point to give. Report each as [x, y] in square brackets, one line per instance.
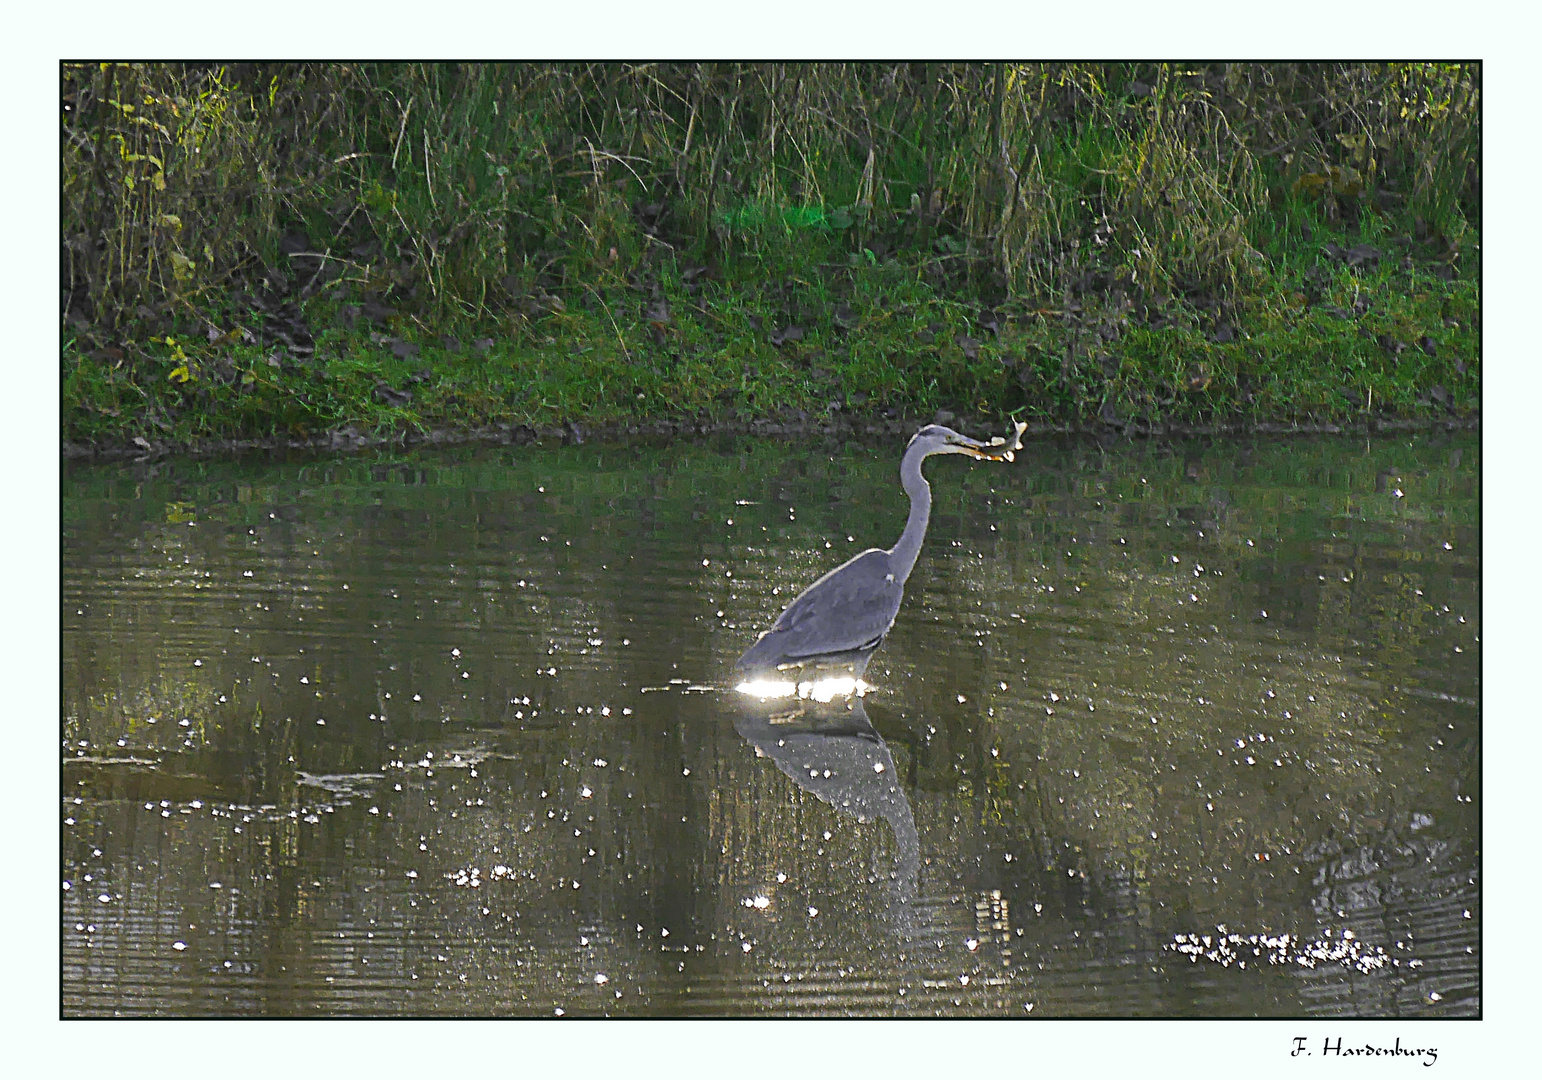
[527, 744]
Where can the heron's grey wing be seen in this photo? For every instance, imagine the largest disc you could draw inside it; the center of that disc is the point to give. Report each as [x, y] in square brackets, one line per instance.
[849, 608]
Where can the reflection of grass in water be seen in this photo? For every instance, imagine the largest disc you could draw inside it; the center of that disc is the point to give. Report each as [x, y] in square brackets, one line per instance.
[1354, 759]
[185, 718]
[1094, 785]
[1286, 496]
[147, 716]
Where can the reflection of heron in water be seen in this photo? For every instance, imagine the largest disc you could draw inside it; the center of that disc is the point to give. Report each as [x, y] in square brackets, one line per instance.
[844, 616]
[832, 751]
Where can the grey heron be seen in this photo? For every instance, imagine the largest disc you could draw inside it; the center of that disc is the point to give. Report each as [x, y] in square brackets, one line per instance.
[845, 615]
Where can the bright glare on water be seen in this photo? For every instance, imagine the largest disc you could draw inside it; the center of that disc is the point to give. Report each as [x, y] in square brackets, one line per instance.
[1161, 730]
[820, 689]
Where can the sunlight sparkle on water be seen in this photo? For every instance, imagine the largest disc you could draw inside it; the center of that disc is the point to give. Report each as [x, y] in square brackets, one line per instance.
[768, 778]
[823, 690]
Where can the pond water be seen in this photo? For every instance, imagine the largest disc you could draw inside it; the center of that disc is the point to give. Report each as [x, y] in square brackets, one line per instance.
[1162, 729]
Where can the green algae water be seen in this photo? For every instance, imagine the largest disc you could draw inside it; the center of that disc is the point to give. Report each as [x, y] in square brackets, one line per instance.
[1162, 729]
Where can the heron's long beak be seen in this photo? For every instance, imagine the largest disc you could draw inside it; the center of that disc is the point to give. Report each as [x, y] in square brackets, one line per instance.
[998, 449]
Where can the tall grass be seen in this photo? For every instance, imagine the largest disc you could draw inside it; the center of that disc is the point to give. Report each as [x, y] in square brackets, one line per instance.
[470, 185]
[269, 248]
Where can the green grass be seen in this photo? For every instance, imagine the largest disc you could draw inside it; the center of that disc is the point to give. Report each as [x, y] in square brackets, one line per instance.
[1149, 253]
[599, 360]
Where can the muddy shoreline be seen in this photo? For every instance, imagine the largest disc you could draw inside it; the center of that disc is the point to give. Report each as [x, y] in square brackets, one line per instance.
[350, 439]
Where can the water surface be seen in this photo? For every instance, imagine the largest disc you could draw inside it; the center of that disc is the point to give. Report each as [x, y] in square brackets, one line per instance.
[1161, 730]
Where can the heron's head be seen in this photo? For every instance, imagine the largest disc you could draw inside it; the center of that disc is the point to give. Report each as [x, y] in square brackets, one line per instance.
[936, 439]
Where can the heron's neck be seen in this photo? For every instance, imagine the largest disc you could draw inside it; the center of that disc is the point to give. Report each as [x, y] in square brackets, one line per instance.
[903, 554]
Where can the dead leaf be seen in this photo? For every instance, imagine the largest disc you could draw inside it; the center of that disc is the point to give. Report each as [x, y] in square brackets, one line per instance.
[1336, 180]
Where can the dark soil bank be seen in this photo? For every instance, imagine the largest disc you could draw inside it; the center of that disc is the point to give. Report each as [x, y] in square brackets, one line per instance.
[351, 439]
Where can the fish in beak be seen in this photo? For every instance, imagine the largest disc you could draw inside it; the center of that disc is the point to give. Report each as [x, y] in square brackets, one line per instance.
[998, 449]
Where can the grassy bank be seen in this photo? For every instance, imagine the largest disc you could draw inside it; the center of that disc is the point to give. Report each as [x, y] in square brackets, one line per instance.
[259, 251]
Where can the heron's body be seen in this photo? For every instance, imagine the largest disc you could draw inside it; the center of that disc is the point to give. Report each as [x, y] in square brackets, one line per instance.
[862, 594]
[844, 616]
